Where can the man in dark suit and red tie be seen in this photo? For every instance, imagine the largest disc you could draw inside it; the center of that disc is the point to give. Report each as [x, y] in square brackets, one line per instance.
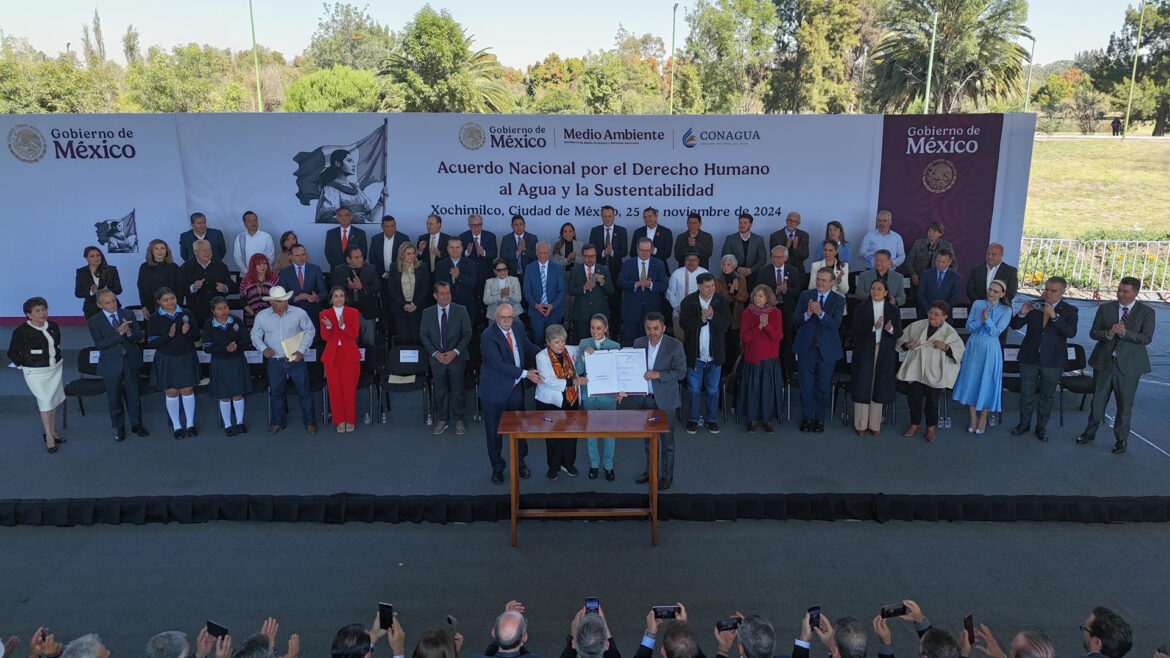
[1048, 323]
[504, 351]
[304, 280]
[1122, 330]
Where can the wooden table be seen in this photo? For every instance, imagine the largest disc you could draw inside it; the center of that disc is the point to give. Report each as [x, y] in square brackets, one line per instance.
[624, 424]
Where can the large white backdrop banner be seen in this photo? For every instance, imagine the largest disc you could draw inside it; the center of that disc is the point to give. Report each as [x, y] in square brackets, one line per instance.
[293, 170]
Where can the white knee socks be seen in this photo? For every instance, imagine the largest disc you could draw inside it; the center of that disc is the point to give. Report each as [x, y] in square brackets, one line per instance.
[173, 412]
[225, 412]
[239, 406]
[189, 409]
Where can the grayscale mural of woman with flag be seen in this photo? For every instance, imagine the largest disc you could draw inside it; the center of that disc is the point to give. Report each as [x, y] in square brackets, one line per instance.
[337, 176]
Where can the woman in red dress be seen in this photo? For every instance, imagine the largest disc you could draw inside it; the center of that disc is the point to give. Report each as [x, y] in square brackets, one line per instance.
[341, 358]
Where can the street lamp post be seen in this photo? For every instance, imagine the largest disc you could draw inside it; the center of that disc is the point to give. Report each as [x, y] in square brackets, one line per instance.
[1031, 65]
[255, 59]
[930, 64]
[1133, 75]
[673, 55]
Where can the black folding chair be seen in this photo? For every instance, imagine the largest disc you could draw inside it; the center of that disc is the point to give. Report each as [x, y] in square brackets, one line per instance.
[408, 376]
[88, 385]
[1075, 379]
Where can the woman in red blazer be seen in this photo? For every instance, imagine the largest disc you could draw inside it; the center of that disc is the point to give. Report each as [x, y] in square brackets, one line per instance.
[341, 358]
[761, 384]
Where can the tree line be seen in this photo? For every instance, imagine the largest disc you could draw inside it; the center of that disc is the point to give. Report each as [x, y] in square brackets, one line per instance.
[737, 56]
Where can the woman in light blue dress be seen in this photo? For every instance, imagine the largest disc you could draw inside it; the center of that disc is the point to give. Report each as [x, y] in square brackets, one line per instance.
[598, 340]
[979, 384]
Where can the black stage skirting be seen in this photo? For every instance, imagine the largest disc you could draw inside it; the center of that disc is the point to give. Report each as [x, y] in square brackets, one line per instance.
[351, 508]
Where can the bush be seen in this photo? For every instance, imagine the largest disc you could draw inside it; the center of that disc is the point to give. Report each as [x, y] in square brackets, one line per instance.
[1120, 234]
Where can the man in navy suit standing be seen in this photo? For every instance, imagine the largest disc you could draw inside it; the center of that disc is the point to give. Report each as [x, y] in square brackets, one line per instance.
[611, 244]
[518, 248]
[117, 335]
[642, 282]
[304, 280]
[339, 239]
[480, 247]
[938, 283]
[1049, 324]
[459, 272]
[818, 348]
[505, 349]
[544, 290]
[199, 231]
[661, 236]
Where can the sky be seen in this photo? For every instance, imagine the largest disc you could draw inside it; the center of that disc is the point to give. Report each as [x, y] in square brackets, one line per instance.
[518, 32]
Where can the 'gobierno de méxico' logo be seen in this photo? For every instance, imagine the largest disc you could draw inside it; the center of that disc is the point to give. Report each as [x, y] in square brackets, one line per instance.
[26, 143]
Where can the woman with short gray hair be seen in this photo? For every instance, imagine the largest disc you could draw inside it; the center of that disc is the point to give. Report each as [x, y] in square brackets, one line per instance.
[558, 391]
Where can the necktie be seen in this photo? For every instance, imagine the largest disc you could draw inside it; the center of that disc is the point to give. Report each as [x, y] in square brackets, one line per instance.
[940, 277]
[821, 301]
[588, 274]
[1124, 314]
[114, 321]
[519, 255]
[301, 276]
[443, 331]
[779, 277]
[643, 269]
[511, 345]
[344, 239]
[608, 236]
[544, 283]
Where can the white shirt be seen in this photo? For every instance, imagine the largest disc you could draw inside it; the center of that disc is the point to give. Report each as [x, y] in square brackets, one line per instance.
[388, 255]
[682, 283]
[652, 354]
[705, 332]
[991, 276]
[878, 311]
[515, 355]
[247, 245]
[338, 311]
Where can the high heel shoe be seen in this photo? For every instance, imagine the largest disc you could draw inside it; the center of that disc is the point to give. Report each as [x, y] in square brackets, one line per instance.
[50, 449]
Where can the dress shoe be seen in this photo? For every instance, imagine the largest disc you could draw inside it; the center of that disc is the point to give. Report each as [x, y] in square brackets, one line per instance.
[241, 428]
[751, 428]
[119, 435]
[497, 477]
[1119, 447]
[341, 428]
[768, 428]
[642, 479]
[712, 427]
[139, 430]
[806, 426]
[460, 428]
[610, 476]
[525, 473]
[552, 475]
[593, 474]
[876, 432]
[1042, 433]
[440, 427]
[1085, 438]
[59, 440]
[692, 427]
[570, 470]
[860, 432]
[273, 429]
[819, 427]
[180, 434]
[192, 431]
[930, 434]
[1019, 429]
[230, 431]
[910, 431]
[311, 429]
[664, 483]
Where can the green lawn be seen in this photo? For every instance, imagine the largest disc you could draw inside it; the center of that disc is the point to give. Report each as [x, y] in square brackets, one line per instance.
[1078, 185]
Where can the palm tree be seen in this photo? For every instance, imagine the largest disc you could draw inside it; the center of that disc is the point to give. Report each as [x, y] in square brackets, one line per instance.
[977, 57]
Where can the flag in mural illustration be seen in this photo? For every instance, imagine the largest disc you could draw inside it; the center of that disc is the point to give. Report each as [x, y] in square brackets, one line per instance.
[337, 176]
[118, 236]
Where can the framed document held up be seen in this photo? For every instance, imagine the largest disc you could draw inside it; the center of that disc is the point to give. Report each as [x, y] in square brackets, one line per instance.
[617, 371]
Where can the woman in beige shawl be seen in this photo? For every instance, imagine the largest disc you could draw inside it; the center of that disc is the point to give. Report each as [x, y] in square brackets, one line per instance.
[933, 354]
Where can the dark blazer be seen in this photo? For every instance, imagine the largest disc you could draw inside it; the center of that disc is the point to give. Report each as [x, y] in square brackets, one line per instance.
[26, 341]
[824, 329]
[875, 383]
[117, 350]
[671, 364]
[690, 316]
[483, 264]
[377, 247]
[463, 288]
[663, 240]
[214, 236]
[895, 285]
[635, 305]
[1132, 359]
[977, 282]
[82, 281]
[508, 251]
[619, 242]
[587, 304]
[931, 290]
[199, 302]
[423, 242]
[796, 255]
[554, 288]
[158, 332]
[407, 324]
[704, 246]
[753, 257]
[499, 372]
[458, 331]
[333, 253]
[153, 277]
[314, 283]
[368, 300]
[1042, 345]
[793, 276]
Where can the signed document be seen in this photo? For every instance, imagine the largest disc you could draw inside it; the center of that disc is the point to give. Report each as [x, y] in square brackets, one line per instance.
[617, 371]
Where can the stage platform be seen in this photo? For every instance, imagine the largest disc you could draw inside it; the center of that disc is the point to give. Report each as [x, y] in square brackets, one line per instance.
[398, 471]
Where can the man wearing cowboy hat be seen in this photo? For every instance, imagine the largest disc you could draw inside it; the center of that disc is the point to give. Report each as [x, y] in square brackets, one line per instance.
[272, 326]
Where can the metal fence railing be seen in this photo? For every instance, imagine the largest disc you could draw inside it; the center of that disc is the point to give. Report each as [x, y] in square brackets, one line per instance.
[1094, 268]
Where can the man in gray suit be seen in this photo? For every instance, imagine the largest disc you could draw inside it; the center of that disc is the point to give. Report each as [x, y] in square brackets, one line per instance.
[1122, 330]
[446, 332]
[883, 268]
[666, 365]
[747, 247]
[117, 335]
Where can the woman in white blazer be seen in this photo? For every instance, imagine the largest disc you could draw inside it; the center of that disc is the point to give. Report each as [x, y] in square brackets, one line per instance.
[840, 269]
[502, 288]
[558, 391]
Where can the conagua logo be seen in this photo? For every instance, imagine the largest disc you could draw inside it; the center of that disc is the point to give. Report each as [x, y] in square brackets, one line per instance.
[688, 138]
[26, 143]
[471, 136]
[939, 176]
